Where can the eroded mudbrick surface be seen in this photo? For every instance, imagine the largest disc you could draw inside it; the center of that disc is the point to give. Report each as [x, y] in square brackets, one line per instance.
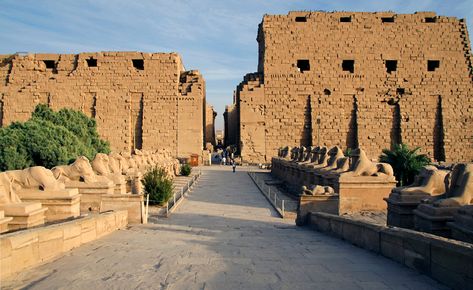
[358, 79]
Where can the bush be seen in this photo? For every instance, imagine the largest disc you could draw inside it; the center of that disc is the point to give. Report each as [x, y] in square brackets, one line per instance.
[158, 185]
[406, 163]
[83, 127]
[186, 170]
[49, 139]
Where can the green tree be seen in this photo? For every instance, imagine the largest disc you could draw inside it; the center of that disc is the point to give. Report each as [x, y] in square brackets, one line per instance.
[13, 153]
[48, 139]
[406, 162]
[83, 127]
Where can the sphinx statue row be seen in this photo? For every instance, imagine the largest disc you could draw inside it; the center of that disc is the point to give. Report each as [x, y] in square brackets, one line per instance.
[317, 168]
[354, 183]
[31, 196]
[439, 202]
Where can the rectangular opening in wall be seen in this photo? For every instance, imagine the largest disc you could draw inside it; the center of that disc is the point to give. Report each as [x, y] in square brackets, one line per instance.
[430, 19]
[50, 64]
[432, 65]
[400, 91]
[387, 19]
[348, 65]
[303, 65]
[301, 19]
[345, 19]
[136, 120]
[138, 64]
[391, 65]
[91, 62]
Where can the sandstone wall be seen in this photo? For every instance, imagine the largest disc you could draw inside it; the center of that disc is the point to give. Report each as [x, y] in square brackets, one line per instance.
[139, 100]
[231, 125]
[360, 79]
[191, 114]
[210, 115]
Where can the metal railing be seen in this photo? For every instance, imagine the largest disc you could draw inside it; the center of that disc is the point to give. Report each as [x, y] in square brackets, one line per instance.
[279, 204]
[177, 196]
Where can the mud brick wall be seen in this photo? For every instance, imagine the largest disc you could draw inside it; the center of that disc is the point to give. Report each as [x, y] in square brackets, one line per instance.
[231, 125]
[139, 100]
[360, 79]
[191, 113]
[210, 115]
[251, 99]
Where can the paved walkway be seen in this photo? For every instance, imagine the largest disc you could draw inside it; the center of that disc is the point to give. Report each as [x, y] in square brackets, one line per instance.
[225, 236]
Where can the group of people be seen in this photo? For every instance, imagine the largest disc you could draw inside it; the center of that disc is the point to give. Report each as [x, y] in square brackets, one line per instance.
[228, 159]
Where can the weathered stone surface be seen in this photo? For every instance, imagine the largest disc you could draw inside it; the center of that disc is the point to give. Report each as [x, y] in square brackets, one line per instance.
[139, 100]
[318, 84]
[445, 260]
[25, 249]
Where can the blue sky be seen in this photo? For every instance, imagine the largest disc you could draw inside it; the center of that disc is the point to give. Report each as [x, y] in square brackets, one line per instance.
[217, 37]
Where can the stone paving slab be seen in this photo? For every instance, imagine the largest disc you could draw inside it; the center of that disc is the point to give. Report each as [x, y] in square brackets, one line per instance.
[225, 236]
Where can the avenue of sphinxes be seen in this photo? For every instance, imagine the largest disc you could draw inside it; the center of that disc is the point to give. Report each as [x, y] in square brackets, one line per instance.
[344, 162]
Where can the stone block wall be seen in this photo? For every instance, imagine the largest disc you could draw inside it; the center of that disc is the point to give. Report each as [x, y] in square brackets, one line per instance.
[210, 115]
[445, 260]
[29, 248]
[360, 79]
[191, 114]
[250, 96]
[231, 125]
[139, 100]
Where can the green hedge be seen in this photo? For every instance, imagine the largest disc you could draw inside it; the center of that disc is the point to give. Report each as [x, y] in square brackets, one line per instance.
[158, 185]
[48, 139]
[186, 170]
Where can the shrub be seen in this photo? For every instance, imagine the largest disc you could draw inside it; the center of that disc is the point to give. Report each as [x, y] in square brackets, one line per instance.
[186, 170]
[158, 185]
[83, 127]
[48, 139]
[406, 163]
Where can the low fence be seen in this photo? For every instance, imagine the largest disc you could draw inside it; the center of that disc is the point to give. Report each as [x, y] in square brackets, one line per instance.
[177, 196]
[278, 203]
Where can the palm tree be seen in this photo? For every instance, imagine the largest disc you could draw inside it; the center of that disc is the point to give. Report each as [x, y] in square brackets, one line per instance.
[406, 163]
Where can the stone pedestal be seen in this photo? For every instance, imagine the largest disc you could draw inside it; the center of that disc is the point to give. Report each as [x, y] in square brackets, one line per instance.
[91, 194]
[401, 214]
[133, 203]
[431, 219]
[131, 178]
[292, 173]
[462, 225]
[120, 183]
[276, 167]
[310, 177]
[362, 193]
[25, 214]
[401, 208]
[330, 178]
[4, 222]
[315, 203]
[61, 204]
